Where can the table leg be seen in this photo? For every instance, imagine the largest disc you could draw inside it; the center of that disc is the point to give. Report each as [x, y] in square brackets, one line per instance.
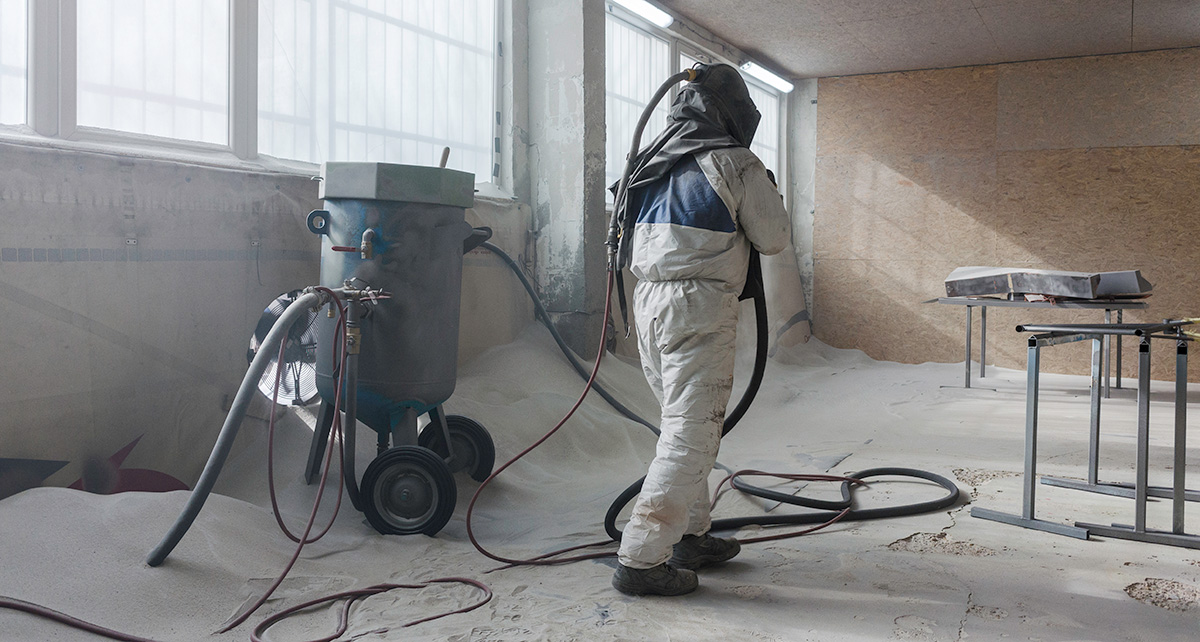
[1107, 358]
[1180, 448]
[1094, 433]
[1120, 319]
[1033, 367]
[1143, 436]
[967, 380]
[982, 341]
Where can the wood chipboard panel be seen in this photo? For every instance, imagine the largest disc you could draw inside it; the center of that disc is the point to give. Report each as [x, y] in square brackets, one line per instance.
[1101, 101]
[1033, 165]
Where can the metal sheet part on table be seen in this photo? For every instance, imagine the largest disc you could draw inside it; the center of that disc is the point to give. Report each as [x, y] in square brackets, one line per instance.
[1016, 282]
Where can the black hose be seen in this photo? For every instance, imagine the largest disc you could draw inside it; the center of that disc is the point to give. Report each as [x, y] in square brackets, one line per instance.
[544, 316]
[854, 514]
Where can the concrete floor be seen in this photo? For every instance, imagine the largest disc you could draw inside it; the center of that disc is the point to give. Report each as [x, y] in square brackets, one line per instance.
[942, 577]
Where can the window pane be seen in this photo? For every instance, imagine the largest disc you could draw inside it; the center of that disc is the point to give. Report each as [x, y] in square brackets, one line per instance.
[158, 67]
[12, 61]
[686, 61]
[382, 81]
[286, 89]
[635, 66]
[766, 138]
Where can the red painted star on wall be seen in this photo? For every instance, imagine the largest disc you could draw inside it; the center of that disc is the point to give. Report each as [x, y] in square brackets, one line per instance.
[105, 477]
[101, 476]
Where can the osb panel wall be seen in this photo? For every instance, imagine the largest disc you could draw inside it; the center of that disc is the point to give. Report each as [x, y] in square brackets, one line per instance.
[1085, 164]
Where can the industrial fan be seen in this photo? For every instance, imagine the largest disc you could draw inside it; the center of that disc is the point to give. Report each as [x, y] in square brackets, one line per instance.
[298, 384]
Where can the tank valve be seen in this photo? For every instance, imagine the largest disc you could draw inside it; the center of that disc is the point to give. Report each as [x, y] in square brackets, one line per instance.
[367, 248]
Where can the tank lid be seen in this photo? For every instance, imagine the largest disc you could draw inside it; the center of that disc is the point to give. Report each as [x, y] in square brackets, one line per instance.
[394, 182]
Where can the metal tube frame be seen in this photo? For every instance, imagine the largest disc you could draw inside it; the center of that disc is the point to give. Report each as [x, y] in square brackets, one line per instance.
[967, 361]
[1027, 518]
[983, 305]
[1141, 490]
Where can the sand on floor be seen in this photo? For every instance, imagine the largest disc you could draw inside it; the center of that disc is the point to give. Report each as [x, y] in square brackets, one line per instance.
[940, 576]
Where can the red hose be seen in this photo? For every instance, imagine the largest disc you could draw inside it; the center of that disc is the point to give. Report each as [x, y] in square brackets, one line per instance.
[358, 594]
[543, 560]
[58, 616]
[334, 437]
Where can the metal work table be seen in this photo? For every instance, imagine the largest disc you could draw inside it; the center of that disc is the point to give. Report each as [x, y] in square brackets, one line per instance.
[1140, 490]
[984, 302]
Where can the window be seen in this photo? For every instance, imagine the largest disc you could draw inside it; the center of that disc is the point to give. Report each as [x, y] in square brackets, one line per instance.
[12, 61]
[636, 64]
[286, 86]
[394, 81]
[304, 80]
[157, 67]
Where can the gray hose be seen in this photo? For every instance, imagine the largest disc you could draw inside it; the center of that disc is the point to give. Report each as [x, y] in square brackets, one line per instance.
[233, 421]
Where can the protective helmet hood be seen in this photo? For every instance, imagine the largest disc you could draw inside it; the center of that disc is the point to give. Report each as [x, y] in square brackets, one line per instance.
[719, 98]
[713, 112]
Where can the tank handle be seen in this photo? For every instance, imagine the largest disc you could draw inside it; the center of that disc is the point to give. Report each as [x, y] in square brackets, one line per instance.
[315, 227]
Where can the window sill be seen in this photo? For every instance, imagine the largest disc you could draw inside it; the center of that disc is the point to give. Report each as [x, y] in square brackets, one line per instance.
[154, 148]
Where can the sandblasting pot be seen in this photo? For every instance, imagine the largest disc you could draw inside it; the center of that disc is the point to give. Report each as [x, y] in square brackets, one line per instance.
[399, 228]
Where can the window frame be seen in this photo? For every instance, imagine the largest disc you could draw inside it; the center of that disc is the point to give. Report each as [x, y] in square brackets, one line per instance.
[52, 95]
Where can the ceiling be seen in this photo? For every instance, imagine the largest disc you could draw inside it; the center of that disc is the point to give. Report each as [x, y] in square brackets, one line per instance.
[819, 38]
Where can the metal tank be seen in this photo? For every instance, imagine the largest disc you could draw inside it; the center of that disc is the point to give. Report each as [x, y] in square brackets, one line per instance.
[400, 229]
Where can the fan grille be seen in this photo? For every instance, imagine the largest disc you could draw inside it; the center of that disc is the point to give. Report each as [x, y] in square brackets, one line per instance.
[298, 382]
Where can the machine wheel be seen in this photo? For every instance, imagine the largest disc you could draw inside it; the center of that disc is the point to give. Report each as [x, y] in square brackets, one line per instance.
[474, 450]
[408, 490]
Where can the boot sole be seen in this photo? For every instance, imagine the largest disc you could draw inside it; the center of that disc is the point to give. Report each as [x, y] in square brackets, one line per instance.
[699, 562]
[642, 591]
[639, 590]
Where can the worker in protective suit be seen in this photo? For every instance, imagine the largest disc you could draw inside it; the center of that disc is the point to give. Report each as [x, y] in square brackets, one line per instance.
[701, 200]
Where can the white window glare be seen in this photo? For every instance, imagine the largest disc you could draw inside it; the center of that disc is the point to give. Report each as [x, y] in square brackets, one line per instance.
[636, 64]
[13, 65]
[378, 81]
[766, 138]
[157, 67]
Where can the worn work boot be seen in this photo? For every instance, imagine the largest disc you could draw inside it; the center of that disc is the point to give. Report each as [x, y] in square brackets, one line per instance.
[698, 551]
[656, 580]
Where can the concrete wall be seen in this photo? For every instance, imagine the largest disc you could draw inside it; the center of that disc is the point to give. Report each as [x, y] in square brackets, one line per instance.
[129, 288]
[1085, 164]
[566, 162]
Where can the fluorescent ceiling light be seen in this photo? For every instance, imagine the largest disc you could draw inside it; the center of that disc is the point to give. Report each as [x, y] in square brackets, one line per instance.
[765, 75]
[648, 11]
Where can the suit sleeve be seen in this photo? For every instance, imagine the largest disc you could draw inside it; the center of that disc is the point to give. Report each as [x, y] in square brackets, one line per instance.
[761, 215]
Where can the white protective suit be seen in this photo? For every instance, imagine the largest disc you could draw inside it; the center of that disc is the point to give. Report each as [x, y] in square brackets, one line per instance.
[691, 250]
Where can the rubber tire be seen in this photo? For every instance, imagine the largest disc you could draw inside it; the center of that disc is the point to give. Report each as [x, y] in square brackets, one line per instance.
[421, 471]
[469, 437]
